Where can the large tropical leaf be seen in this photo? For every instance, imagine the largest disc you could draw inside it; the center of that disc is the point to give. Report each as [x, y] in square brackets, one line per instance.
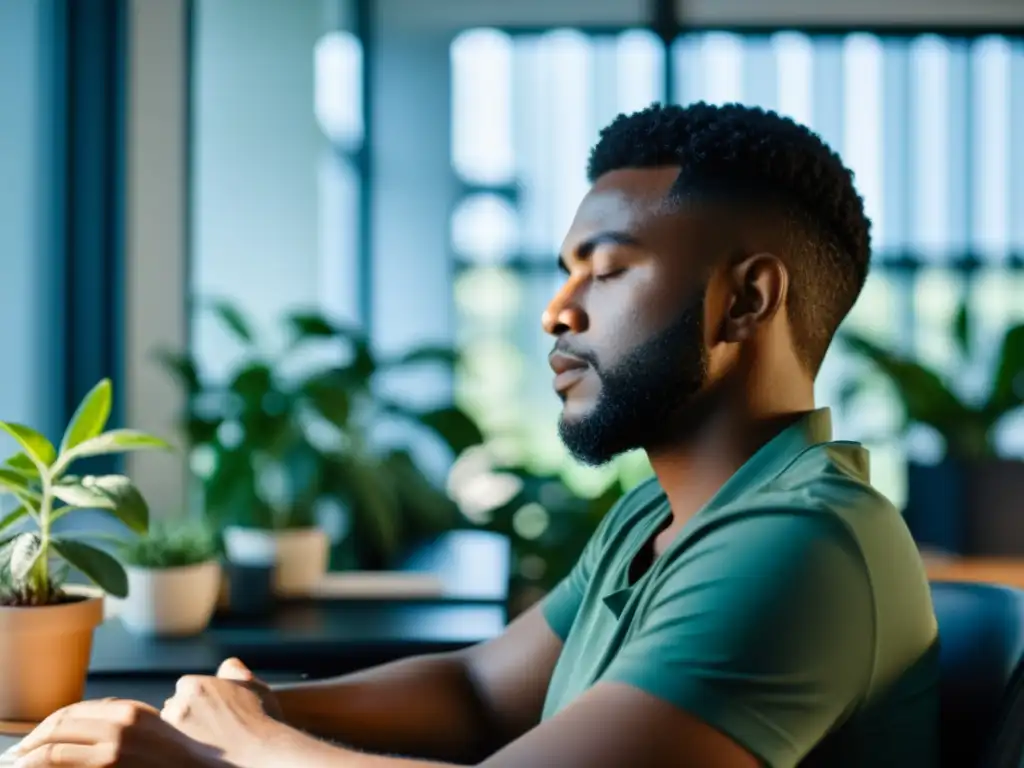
[100, 567]
[114, 441]
[24, 553]
[114, 493]
[962, 329]
[924, 396]
[19, 486]
[23, 465]
[373, 502]
[329, 396]
[90, 418]
[38, 449]
[252, 383]
[428, 507]
[14, 516]
[437, 355]
[305, 325]
[233, 319]
[453, 425]
[1008, 385]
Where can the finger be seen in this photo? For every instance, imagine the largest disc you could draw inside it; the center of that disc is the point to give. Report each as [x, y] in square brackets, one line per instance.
[234, 669]
[190, 685]
[87, 722]
[69, 755]
[175, 711]
[71, 731]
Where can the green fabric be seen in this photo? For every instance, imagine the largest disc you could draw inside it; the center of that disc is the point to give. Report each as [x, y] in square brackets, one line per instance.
[792, 613]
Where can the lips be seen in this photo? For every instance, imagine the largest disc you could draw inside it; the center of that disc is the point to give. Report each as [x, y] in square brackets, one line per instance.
[569, 370]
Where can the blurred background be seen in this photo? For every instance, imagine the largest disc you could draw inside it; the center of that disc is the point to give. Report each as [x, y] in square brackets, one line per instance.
[310, 241]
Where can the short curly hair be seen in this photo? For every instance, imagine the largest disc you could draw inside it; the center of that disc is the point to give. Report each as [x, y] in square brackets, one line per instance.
[754, 156]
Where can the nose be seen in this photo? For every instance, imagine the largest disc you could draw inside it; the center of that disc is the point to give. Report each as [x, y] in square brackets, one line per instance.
[564, 314]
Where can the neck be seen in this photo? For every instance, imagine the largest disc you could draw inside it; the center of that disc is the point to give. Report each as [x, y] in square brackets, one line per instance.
[693, 466]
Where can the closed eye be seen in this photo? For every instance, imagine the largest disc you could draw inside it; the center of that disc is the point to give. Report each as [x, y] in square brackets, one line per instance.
[610, 275]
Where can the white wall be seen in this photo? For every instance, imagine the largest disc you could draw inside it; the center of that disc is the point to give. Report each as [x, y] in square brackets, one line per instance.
[26, 386]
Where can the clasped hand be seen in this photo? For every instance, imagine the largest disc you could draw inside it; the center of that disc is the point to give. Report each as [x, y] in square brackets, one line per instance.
[210, 722]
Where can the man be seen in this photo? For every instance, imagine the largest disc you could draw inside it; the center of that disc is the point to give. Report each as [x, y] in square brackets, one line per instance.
[759, 603]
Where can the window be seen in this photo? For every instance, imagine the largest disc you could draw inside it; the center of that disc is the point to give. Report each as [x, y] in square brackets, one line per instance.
[924, 121]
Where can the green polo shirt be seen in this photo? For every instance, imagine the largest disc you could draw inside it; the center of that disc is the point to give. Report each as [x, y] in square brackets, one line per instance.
[792, 613]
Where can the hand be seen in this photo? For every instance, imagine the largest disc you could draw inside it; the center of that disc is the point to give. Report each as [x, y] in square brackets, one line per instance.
[111, 733]
[234, 669]
[226, 714]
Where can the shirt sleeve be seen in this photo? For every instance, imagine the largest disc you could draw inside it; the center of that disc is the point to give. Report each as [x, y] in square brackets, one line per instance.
[764, 630]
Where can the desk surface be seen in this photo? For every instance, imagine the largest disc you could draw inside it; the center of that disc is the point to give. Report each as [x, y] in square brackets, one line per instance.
[331, 637]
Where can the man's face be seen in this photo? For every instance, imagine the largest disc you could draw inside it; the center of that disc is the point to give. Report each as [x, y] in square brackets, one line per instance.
[629, 321]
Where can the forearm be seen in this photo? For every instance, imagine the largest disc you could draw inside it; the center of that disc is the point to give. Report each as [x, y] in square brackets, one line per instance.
[296, 748]
[425, 707]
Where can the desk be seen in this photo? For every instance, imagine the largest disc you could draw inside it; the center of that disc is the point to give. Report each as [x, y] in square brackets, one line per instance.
[986, 570]
[323, 638]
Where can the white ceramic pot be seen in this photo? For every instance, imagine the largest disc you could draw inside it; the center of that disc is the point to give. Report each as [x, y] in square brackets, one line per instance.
[171, 602]
[44, 655]
[299, 555]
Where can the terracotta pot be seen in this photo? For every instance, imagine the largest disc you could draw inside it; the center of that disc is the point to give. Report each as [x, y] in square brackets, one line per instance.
[299, 555]
[44, 655]
[171, 602]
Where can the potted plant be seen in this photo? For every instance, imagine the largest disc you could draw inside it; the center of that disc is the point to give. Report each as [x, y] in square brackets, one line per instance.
[970, 502]
[46, 625]
[174, 580]
[276, 446]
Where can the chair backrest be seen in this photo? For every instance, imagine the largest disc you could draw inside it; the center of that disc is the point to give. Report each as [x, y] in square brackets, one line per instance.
[981, 635]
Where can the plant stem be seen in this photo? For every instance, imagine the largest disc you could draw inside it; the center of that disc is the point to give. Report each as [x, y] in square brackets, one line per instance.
[42, 564]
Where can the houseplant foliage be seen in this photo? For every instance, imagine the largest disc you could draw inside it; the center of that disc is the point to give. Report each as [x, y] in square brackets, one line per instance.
[174, 579]
[929, 397]
[34, 559]
[969, 503]
[547, 524]
[170, 545]
[280, 444]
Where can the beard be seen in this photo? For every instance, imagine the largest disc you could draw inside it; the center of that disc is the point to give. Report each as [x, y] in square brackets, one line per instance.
[643, 398]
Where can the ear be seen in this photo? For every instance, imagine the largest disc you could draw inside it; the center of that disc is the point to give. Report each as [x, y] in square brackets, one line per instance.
[758, 285]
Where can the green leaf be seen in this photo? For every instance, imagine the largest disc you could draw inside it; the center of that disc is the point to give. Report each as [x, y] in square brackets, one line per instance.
[114, 493]
[373, 502]
[38, 449]
[24, 552]
[454, 426]
[233, 320]
[18, 485]
[962, 328]
[101, 568]
[182, 367]
[924, 396]
[445, 356]
[13, 517]
[23, 465]
[114, 441]
[328, 395]
[252, 383]
[1008, 384]
[90, 418]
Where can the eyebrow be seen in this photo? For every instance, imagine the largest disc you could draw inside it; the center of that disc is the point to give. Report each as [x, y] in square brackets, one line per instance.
[586, 247]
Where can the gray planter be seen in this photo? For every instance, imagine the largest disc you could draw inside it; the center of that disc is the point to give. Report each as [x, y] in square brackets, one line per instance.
[974, 509]
[994, 505]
